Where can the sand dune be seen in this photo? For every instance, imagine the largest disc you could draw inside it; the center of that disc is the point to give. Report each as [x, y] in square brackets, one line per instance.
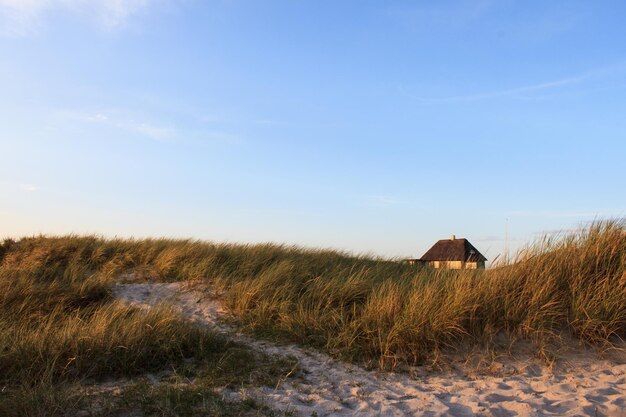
[584, 385]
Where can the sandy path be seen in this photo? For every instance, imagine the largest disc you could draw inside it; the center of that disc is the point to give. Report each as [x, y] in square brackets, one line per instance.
[328, 387]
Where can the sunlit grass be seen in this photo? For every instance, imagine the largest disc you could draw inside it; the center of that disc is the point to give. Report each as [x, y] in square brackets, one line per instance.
[60, 329]
[360, 308]
[573, 286]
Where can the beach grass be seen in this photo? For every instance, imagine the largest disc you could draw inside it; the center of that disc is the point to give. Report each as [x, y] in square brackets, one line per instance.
[357, 308]
[61, 331]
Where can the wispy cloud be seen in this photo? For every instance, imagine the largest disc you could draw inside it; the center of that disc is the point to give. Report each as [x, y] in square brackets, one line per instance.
[96, 118]
[525, 92]
[24, 17]
[510, 92]
[581, 227]
[154, 132]
[29, 188]
[124, 120]
[434, 15]
[380, 201]
[147, 129]
[568, 213]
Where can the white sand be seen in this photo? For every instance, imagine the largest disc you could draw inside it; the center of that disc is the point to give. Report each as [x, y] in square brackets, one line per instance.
[588, 387]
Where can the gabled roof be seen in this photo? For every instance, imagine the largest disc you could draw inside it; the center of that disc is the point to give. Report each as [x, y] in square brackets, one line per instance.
[453, 250]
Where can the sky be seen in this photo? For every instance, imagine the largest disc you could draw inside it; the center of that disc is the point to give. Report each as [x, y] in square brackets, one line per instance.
[373, 127]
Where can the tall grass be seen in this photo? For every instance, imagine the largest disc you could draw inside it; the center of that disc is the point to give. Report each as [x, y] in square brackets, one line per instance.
[573, 286]
[60, 327]
[361, 308]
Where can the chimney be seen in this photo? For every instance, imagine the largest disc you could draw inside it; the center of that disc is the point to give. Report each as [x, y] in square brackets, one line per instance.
[452, 237]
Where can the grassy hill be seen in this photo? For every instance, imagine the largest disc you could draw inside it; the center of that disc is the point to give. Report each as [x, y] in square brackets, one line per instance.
[59, 324]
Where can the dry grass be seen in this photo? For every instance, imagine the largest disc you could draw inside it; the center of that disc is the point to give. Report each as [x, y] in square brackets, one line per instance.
[360, 308]
[61, 329]
[575, 285]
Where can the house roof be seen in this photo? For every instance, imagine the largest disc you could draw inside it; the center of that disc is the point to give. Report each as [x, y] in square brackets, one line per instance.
[453, 250]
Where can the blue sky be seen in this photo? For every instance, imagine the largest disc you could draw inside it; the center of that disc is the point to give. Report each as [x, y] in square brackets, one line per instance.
[369, 126]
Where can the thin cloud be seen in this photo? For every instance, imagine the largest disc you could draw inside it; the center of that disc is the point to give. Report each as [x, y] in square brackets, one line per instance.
[24, 17]
[119, 119]
[159, 133]
[582, 227]
[19, 17]
[97, 118]
[154, 132]
[523, 92]
[29, 188]
[434, 15]
[564, 213]
[511, 92]
[380, 201]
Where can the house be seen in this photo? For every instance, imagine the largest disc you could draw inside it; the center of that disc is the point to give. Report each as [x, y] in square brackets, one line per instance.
[454, 253]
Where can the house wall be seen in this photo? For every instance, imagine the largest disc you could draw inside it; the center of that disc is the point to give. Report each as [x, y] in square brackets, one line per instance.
[475, 265]
[447, 264]
[457, 265]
